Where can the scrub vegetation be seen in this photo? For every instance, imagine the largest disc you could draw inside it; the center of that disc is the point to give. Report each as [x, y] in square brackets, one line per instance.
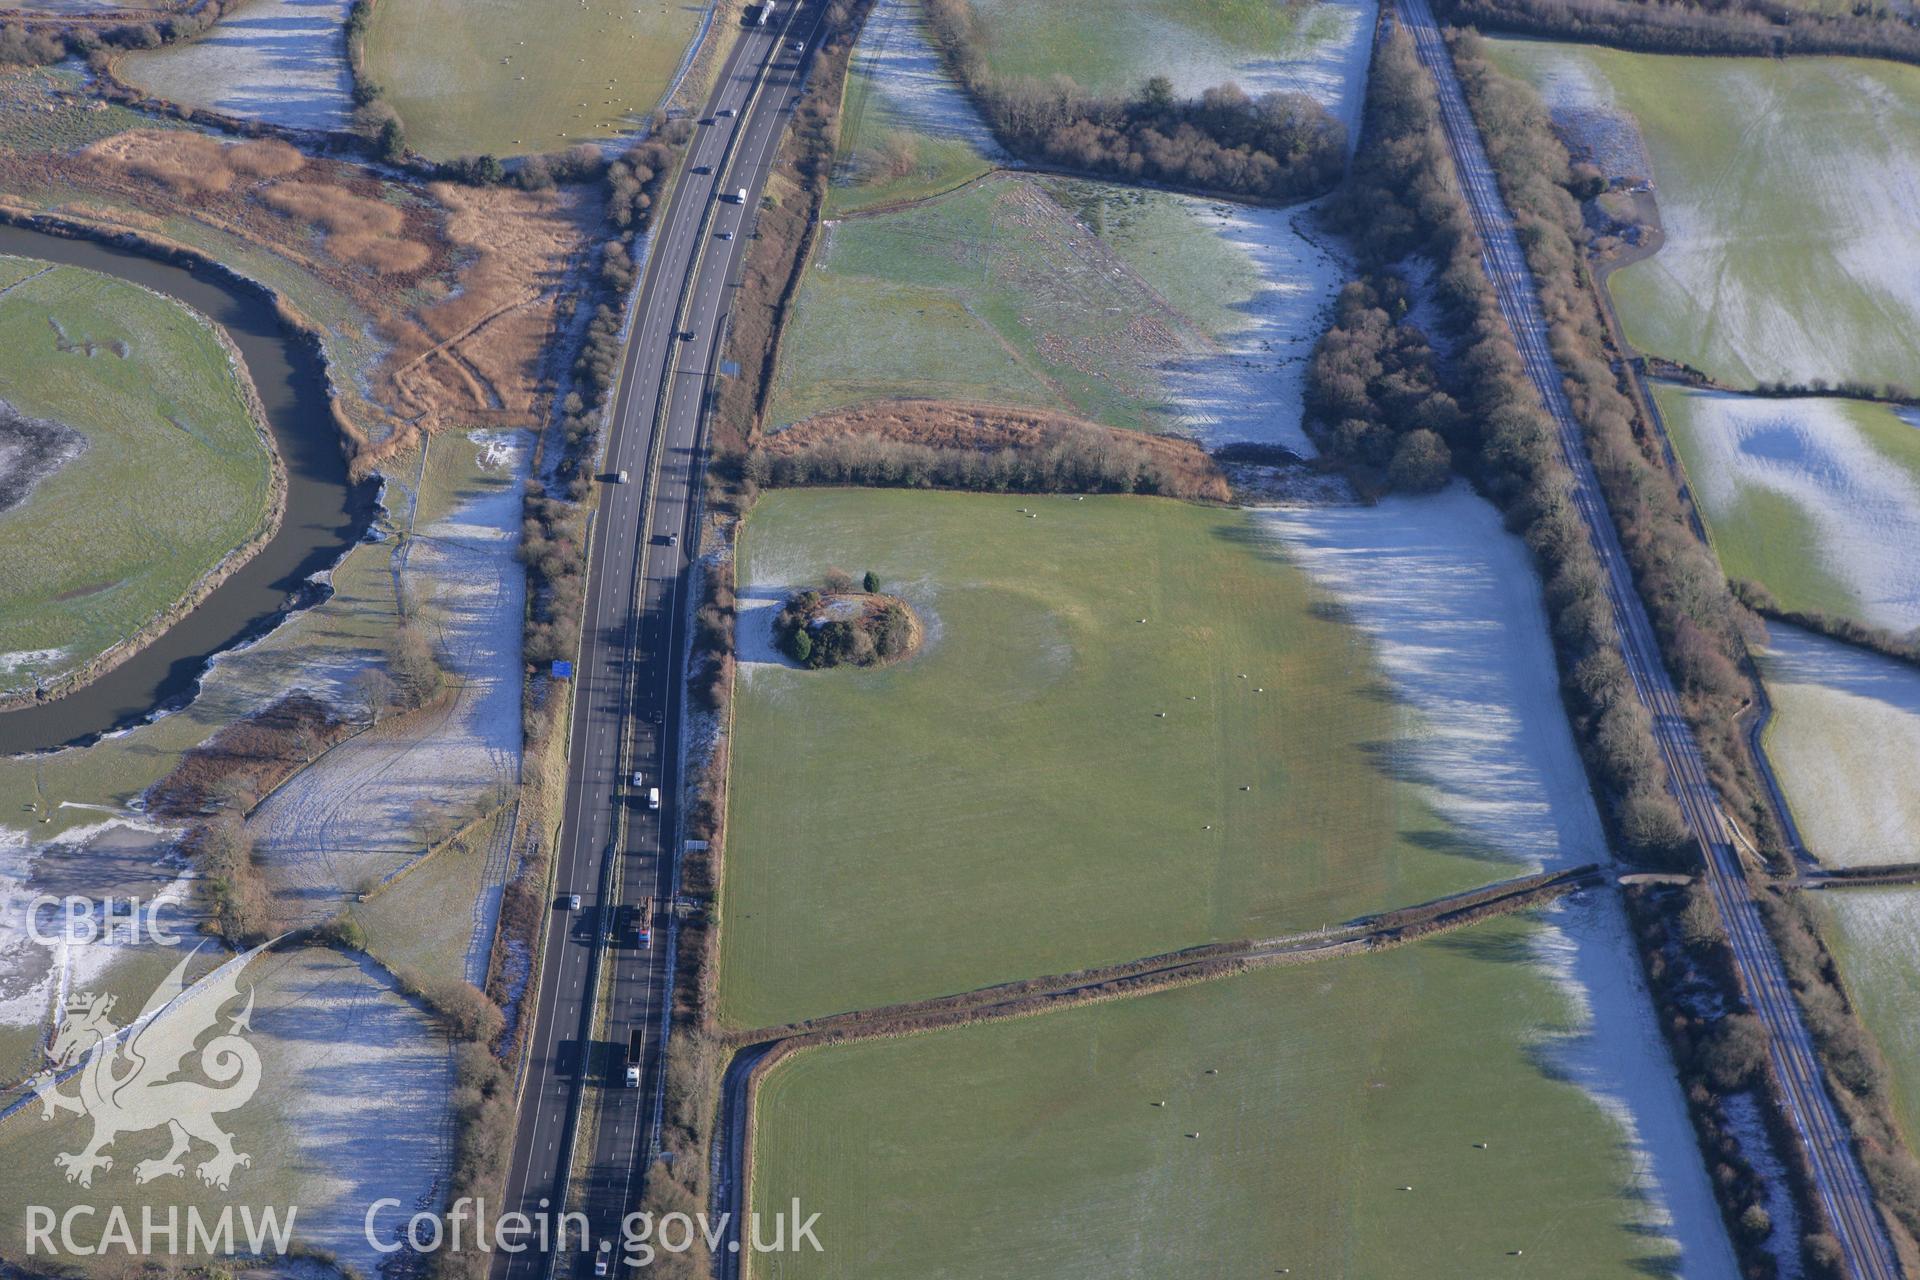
[432, 302]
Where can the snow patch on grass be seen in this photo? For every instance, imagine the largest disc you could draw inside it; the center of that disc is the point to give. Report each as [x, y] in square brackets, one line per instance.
[498, 449]
[902, 77]
[1588, 115]
[25, 661]
[1749, 1128]
[1253, 385]
[1331, 69]
[1451, 601]
[1845, 734]
[754, 644]
[1813, 454]
[1616, 1053]
[360, 1078]
[282, 61]
[1452, 604]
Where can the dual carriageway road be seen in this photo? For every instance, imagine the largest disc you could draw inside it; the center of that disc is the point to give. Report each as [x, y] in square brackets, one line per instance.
[613, 850]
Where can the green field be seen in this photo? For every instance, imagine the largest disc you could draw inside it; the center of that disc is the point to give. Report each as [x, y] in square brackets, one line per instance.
[1818, 500]
[1116, 46]
[1008, 802]
[1339, 1083]
[497, 77]
[174, 476]
[1786, 189]
[421, 925]
[997, 293]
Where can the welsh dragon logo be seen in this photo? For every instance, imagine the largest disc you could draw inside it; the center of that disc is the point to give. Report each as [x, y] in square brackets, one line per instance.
[127, 1075]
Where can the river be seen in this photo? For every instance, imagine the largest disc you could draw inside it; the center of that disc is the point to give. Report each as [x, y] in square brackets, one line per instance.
[325, 514]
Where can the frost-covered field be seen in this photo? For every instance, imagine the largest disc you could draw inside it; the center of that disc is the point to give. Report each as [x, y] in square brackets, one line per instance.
[282, 61]
[118, 855]
[896, 80]
[1252, 384]
[1875, 934]
[1589, 116]
[1818, 499]
[907, 130]
[359, 1082]
[1787, 190]
[80, 7]
[361, 810]
[1844, 739]
[1454, 609]
[1136, 309]
[72, 821]
[1615, 1052]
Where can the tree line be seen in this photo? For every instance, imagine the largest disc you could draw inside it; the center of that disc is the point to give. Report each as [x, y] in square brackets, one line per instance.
[553, 528]
[1082, 459]
[1276, 146]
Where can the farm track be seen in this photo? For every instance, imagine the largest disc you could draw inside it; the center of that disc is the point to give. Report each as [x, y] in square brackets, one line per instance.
[1839, 1182]
[759, 1051]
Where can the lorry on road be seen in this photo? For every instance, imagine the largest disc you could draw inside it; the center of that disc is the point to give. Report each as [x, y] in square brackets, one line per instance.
[635, 1038]
[739, 196]
[643, 924]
